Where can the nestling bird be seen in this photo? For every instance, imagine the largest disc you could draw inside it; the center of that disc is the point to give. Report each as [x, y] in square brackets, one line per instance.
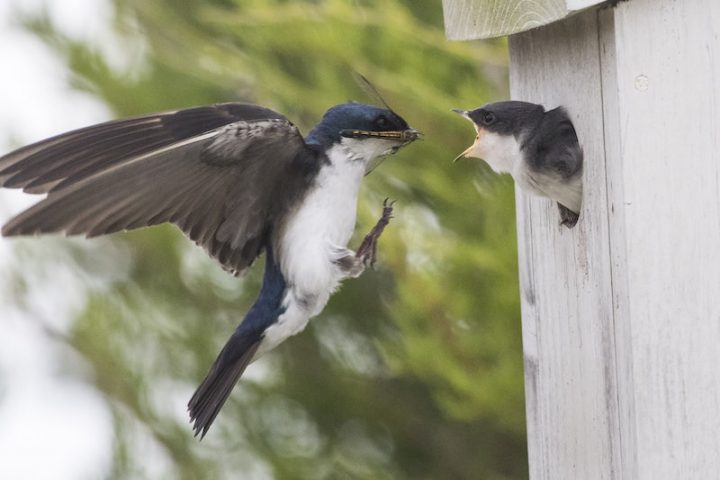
[239, 180]
[538, 148]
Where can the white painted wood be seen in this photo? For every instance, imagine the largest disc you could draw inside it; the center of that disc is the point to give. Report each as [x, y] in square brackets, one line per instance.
[565, 275]
[621, 315]
[575, 5]
[667, 61]
[473, 19]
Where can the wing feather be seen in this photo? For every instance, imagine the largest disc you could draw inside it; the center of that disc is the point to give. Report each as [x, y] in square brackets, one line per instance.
[84, 152]
[224, 184]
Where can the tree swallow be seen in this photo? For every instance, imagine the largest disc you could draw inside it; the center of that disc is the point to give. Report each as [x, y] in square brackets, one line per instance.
[239, 180]
[538, 148]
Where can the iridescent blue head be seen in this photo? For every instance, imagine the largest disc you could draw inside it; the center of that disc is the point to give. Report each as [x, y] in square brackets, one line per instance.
[362, 122]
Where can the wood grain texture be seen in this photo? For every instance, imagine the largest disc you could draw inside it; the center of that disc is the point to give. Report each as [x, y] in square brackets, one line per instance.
[621, 315]
[565, 275]
[574, 5]
[667, 64]
[473, 19]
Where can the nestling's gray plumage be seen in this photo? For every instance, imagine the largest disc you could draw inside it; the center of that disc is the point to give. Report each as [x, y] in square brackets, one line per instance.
[539, 148]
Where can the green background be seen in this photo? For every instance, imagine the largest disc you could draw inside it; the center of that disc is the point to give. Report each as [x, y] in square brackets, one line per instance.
[412, 371]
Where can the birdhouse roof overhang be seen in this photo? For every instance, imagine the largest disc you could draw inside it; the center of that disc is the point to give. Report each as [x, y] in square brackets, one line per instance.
[477, 19]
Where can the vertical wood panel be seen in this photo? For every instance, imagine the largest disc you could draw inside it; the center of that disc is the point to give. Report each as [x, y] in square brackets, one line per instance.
[667, 61]
[621, 316]
[565, 274]
[614, 181]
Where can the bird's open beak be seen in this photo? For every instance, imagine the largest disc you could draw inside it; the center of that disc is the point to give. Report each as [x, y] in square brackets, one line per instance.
[464, 113]
[463, 154]
[469, 150]
[476, 149]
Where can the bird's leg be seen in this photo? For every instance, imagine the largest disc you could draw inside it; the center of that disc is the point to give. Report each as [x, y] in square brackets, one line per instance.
[367, 251]
[366, 254]
[567, 216]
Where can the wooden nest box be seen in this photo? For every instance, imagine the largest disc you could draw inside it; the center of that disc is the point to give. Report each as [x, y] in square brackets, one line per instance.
[621, 314]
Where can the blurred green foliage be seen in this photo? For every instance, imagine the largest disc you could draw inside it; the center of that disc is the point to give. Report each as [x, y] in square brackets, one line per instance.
[413, 371]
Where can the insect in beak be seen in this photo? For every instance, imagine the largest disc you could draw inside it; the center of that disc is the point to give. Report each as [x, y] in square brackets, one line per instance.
[405, 136]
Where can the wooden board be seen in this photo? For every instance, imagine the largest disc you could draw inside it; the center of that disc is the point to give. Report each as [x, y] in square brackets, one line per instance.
[566, 280]
[666, 132]
[621, 315]
[473, 19]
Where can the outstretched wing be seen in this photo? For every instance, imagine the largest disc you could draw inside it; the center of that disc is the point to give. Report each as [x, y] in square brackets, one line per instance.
[223, 174]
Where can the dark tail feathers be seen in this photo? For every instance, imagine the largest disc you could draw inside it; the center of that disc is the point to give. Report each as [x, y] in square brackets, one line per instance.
[212, 393]
[239, 351]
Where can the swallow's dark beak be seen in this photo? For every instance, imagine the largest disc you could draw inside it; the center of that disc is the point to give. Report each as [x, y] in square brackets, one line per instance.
[410, 135]
[464, 113]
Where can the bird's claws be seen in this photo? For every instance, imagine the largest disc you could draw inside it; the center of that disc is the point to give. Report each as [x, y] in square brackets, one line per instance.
[367, 251]
[387, 211]
[568, 218]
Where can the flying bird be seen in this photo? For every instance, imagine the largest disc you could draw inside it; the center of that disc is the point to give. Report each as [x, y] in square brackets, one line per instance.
[538, 148]
[239, 180]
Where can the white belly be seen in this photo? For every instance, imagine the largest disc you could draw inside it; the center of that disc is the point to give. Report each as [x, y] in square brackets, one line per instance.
[567, 191]
[308, 245]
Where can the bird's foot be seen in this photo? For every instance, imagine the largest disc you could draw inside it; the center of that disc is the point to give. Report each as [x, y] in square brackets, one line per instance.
[367, 252]
[568, 218]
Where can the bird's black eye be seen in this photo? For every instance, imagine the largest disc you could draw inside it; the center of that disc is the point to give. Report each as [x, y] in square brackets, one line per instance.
[488, 118]
[382, 122]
